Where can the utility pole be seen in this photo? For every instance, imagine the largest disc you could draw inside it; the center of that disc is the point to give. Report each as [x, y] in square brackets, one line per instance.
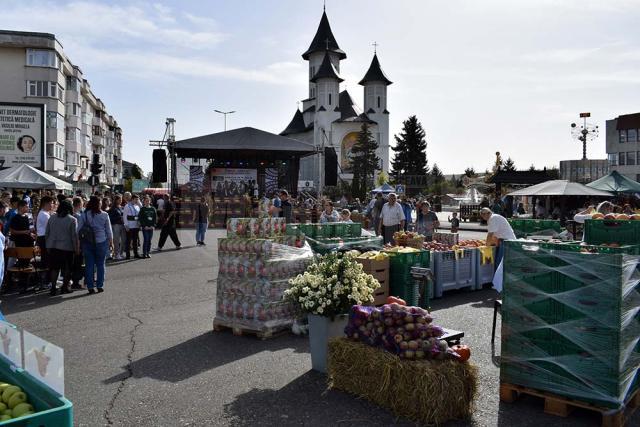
[225, 117]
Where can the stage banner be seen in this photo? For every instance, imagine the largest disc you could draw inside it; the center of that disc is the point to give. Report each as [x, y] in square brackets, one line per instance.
[270, 181]
[233, 182]
[22, 134]
[196, 177]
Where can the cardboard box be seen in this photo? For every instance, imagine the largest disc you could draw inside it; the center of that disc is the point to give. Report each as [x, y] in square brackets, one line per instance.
[379, 269]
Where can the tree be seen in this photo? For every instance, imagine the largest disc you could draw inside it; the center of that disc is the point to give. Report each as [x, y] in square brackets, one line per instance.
[136, 171]
[364, 161]
[436, 174]
[509, 165]
[532, 168]
[410, 156]
[470, 172]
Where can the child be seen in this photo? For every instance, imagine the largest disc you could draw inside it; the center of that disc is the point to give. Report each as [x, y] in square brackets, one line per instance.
[345, 215]
[455, 222]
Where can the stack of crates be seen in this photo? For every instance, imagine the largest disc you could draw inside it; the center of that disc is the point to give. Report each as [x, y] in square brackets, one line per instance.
[570, 320]
[402, 283]
[454, 270]
[622, 232]
[532, 227]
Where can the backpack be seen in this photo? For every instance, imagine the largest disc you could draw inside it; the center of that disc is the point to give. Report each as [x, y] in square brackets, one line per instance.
[86, 233]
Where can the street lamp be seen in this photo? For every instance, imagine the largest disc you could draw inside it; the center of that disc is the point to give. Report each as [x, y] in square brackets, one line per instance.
[225, 117]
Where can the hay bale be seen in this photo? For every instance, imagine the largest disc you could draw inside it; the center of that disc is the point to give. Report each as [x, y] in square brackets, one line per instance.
[426, 391]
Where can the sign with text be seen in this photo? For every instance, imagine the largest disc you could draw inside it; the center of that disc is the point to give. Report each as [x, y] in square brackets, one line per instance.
[22, 134]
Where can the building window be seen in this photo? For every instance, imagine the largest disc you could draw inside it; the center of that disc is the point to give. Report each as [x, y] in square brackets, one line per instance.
[378, 102]
[42, 89]
[622, 159]
[631, 158]
[329, 99]
[54, 120]
[42, 58]
[613, 159]
[622, 136]
[632, 135]
[73, 83]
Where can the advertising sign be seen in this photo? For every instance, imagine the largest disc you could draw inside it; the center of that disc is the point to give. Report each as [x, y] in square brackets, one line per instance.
[138, 185]
[44, 361]
[233, 182]
[22, 134]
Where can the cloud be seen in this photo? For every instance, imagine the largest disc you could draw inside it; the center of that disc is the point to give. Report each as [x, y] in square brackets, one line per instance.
[561, 55]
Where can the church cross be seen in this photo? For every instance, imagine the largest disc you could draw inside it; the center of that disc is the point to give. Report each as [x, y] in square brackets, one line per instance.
[375, 47]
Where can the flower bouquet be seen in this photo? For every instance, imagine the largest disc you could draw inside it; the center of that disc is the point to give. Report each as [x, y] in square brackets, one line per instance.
[326, 292]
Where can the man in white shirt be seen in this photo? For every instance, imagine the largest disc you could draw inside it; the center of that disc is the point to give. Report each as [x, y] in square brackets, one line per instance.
[132, 225]
[41, 227]
[391, 219]
[499, 230]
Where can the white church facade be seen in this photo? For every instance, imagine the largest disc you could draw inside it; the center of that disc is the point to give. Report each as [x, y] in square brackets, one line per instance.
[330, 118]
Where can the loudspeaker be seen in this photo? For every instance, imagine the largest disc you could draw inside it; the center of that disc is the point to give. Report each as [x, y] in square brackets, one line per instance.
[159, 165]
[330, 167]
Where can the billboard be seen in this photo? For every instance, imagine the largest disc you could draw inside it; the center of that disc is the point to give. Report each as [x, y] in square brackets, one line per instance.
[22, 134]
[233, 182]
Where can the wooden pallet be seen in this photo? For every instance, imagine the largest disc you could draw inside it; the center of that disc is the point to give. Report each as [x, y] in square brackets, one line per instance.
[562, 406]
[240, 330]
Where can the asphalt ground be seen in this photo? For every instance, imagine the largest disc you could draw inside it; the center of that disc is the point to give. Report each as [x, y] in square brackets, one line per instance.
[143, 354]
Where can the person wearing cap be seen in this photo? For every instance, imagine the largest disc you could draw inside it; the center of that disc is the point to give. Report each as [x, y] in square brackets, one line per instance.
[391, 219]
[499, 230]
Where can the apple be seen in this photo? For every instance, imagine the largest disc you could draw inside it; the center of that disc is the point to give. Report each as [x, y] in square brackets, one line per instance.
[27, 413]
[635, 217]
[597, 216]
[5, 417]
[9, 391]
[3, 386]
[610, 216]
[622, 217]
[16, 399]
[7, 412]
[21, 408]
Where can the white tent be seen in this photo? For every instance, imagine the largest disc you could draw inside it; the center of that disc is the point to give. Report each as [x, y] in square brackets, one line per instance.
[559, 187]
[28, 177]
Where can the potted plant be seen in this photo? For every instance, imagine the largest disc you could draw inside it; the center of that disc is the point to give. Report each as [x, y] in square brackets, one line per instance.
[326, 292]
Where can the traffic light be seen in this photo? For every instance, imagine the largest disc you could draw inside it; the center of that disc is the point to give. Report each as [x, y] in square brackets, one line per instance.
[96, 166]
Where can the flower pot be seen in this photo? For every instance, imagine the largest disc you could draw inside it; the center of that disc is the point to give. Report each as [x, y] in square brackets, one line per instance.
[322, 328]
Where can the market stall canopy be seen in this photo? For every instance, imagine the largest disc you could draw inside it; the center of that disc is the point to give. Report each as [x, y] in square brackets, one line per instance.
[559, 187]
[616, 183]
[28, 177]
[384, 189]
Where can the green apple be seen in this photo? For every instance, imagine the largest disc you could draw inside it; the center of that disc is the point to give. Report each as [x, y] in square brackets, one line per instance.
[5, 417]
[17, 398]
[8, 392]
[3, 386]
[7, 412]
[2, 407]
[21, 408]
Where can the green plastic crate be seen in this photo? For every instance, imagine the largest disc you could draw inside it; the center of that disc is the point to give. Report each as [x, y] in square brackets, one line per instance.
[409, 290]
[51, 408]
[623, 232]
[530, 227]
[564, 320]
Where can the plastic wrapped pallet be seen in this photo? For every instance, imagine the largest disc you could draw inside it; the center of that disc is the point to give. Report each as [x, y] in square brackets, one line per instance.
[570, 320]
[252, 278]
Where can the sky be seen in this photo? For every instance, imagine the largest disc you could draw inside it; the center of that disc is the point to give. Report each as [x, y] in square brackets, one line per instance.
[481, 76]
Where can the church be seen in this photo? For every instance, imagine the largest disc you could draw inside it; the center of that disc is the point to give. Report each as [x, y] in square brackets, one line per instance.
[330, 119]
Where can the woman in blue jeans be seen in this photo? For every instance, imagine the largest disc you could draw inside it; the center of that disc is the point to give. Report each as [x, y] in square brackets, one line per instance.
[95, 249]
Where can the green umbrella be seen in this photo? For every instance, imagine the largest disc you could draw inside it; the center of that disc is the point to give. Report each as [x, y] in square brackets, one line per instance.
[616, 183]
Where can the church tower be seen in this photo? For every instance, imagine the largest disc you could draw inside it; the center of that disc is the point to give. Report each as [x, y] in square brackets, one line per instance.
[375, 84]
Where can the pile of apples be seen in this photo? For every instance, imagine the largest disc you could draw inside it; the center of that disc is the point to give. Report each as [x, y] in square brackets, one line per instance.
[15, 402]
[375, 255]
[471, 243]
[436, 246]
[404, 235]
[619, 217]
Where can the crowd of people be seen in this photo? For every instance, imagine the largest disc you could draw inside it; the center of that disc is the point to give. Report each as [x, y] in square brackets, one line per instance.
[74, 236]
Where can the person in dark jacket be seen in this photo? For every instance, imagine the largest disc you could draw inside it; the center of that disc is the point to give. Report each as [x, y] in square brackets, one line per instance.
[62, 242]
[148, 218]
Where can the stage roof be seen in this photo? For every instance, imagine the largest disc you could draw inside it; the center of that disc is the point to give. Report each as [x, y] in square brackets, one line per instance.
[246, 140]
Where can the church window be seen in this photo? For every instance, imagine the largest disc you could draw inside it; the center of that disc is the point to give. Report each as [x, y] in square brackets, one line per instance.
[329, 99]
[378, 102]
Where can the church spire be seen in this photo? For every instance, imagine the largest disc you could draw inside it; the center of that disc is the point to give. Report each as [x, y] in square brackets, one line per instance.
[320, 43]
[375, 73]
[326, 70]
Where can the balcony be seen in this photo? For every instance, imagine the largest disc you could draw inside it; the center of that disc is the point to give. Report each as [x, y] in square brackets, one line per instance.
[97, 121]
[98, 140]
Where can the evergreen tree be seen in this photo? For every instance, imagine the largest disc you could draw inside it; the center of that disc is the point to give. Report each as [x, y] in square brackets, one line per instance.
[509, 165]
[436, 174]
[532, 168]
[365, 162]
[410, 150]
[470, 172]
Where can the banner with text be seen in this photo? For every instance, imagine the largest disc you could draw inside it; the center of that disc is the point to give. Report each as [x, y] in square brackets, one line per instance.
[22, 135]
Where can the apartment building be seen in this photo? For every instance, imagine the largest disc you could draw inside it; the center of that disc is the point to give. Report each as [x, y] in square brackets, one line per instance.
[35, 70]
[623, 145]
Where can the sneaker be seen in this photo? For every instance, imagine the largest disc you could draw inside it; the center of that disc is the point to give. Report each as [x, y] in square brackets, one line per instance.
[91, 291]
[203, 243]
[178, 248]
[100, 290]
